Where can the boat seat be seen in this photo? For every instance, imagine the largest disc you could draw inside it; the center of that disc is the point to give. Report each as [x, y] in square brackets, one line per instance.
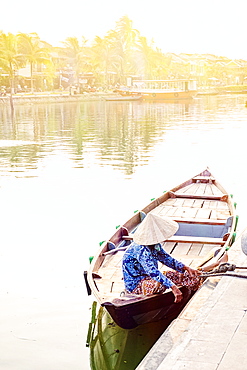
[204, 179]
[199, 221]
[196, 239]
[198, 232]
[189, 239]
[195, 196]
[212, 230]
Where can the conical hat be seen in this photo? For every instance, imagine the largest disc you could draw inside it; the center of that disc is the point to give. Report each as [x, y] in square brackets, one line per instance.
[154, 229]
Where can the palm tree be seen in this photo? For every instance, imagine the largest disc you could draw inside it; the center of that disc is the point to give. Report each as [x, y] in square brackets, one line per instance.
[10, 59]
[126, 44]
[126, 33]
[104, 56]
[77, 54]
[145, 58]
[33, 50]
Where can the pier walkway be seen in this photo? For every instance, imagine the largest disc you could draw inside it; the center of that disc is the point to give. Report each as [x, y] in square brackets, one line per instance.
[211, 332]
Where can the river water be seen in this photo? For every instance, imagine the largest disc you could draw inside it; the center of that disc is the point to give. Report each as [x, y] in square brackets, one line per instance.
[70, 173]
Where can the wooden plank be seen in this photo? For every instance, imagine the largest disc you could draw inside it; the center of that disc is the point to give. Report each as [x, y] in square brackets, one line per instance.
[156, 210]
[188, 202]
[198, 195]
[169, 246]
[166, 211]
[195, 249]
[213, 204]
[118, 276]
[181, 249]
[188, 261]
[198, 203]
[118, 258]
[106, 275]
[213, 216]
[216, 191]
[179, 212]
[191, 189]
[179, 202]
[208, 190]
[222, 215]
[203, 213]
[203, 178]
[185, 212]
[185, 259]
[185, 188]
[222, 205]
[117, 287]
[206, 249]
[195, 262]
[196, 239]
[199, 221]
[206, 204]
[169, 202]
[171, 212]
[200, 189]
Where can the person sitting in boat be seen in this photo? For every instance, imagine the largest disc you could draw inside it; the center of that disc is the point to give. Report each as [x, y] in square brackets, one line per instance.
[140, 261]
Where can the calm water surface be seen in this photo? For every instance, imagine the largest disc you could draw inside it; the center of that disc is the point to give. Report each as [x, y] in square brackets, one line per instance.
[70, 173]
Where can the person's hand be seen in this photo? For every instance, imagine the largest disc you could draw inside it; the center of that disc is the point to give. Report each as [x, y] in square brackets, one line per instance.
[191, 272]
[177, 293]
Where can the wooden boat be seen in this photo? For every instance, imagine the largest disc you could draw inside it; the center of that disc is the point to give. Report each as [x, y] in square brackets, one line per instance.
[207, 222]
[161, 89]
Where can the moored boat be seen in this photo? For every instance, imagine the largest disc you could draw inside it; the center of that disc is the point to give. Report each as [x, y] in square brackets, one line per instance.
[205, 213]
[161, 89]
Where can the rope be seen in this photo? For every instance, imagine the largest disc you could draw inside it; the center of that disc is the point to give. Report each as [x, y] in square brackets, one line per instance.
[223, 269]
[224, 274]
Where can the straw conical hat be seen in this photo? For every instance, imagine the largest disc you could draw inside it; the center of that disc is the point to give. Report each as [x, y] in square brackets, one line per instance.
[154, 229]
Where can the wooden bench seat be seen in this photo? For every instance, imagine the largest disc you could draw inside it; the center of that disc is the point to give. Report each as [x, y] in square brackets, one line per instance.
[196, 239]
[189, 239]
[199, 221]
[195, 196]
[204, 178]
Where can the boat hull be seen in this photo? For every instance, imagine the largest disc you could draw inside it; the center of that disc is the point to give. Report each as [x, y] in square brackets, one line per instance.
[173, 95]
[152, 94]
[139, 312]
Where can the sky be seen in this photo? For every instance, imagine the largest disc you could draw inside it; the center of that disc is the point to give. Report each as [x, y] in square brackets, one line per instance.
[178, 26]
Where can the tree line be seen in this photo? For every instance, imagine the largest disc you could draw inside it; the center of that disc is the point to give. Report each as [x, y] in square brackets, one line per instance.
[122, 52]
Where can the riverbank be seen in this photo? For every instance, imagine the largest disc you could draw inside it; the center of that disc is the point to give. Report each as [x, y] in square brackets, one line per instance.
[19, 99]
[65, 96]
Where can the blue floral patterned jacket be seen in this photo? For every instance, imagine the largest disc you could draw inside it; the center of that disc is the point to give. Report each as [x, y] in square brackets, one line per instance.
[140, 261]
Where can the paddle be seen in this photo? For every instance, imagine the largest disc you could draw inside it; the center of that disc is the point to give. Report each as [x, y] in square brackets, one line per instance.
[215, 256]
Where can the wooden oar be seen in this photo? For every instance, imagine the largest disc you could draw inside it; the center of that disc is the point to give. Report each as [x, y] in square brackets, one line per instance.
[215, 257]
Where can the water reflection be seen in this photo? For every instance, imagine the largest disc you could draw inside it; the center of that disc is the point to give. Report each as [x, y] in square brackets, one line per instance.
[120, 134]
[114, 348]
